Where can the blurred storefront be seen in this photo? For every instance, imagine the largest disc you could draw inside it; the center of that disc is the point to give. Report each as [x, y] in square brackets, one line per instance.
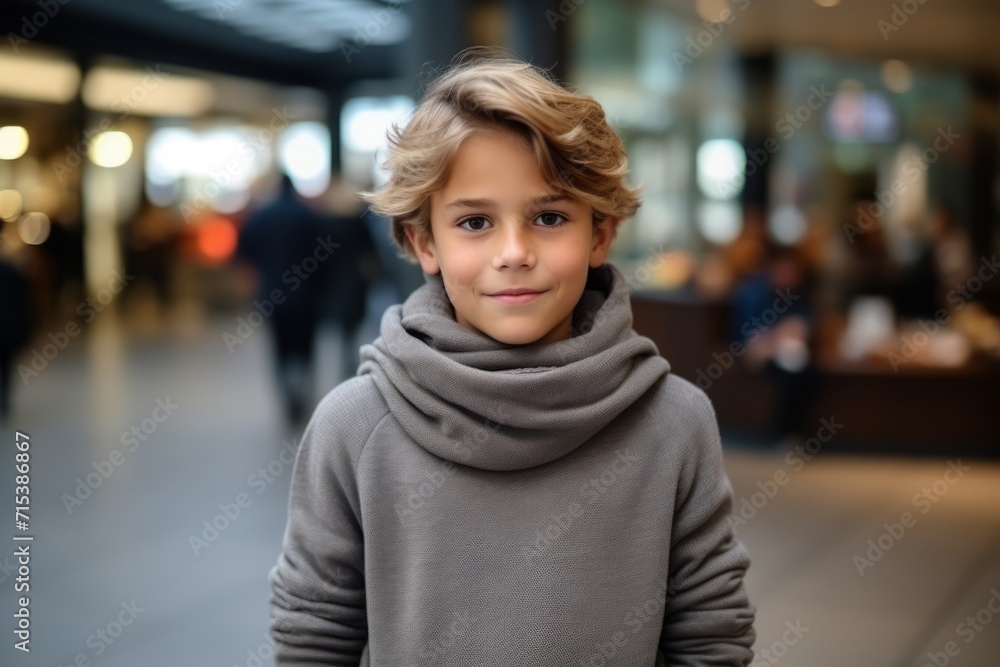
[820, 163]
[136, 140]
[845, 156]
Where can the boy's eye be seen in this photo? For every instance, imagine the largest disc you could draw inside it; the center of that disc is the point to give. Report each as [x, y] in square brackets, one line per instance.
[552, 217]
[476, 221]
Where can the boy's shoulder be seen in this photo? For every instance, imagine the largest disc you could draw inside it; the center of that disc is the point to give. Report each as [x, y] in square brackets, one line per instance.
[349, 413]
[684, 394]
[685, 406]
[356, 403]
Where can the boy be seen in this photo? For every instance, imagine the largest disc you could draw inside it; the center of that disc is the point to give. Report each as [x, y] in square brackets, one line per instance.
[514, 477]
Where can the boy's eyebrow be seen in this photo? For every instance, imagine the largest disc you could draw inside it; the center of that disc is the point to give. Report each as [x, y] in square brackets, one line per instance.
[486, 203]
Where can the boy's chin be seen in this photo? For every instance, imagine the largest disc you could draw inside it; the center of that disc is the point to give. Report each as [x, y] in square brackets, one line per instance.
[519, 335]
[506, 335]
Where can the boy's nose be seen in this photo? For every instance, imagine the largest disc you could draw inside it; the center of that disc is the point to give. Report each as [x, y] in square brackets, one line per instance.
[515, 245]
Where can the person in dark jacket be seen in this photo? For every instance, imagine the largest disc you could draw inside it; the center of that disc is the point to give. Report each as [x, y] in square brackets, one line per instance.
[287, 242]
[348, 284]
[16, 328]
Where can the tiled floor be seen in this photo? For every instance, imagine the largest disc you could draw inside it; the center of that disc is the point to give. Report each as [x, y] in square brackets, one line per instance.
[933, 559]
[125, 551]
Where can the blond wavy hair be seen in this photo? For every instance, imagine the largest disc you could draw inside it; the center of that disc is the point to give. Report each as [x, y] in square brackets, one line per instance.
[482, 90]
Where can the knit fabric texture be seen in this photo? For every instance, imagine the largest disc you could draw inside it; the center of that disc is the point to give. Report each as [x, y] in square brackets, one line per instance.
[462, 501]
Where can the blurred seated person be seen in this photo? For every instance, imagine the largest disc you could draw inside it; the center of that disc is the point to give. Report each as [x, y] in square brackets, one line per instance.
[916, 295]
[952, 252]
[868, 283]
[870, 269]
[773, 315]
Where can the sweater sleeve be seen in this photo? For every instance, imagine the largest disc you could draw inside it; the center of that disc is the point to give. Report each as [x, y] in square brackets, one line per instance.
[708, 618]
[318, 614]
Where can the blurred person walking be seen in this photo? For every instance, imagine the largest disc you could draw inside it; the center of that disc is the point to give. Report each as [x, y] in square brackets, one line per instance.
[359, 266]
[16, 329]
[286, 241]
[150, 244]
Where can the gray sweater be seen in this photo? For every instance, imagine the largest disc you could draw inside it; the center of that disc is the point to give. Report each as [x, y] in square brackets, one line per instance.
[466, 502]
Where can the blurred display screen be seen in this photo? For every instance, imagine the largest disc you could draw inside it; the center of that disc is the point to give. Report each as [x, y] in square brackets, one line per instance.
[861, 116]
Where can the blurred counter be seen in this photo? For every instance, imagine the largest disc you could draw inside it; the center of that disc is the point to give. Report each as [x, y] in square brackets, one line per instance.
[903, 408]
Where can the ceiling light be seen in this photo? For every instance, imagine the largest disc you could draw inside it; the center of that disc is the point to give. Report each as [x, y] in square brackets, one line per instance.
[38, 79]
[111, 149]
[148, 92]
[13, 142]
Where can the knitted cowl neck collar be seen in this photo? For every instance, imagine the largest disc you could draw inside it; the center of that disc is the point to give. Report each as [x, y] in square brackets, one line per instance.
[473, 400]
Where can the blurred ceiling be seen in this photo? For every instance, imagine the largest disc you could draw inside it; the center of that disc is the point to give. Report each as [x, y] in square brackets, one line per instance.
[316, 43]
[965, 33]
[312, 25]
[327, 43]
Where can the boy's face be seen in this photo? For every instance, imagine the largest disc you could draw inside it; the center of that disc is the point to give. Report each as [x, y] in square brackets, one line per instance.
[498, 225]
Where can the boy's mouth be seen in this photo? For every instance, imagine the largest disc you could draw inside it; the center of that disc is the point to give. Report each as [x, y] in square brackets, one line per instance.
[516, 297]
[516, 290]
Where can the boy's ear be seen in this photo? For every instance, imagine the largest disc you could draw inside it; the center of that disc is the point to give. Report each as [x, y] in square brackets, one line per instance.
[604, 234]
[425, 249]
